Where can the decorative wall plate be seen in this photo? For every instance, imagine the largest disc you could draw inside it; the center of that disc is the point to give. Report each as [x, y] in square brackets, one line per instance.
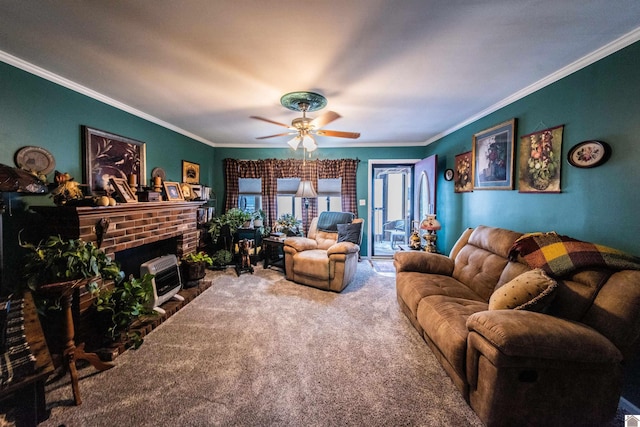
[35, 159]
[589, 154]
[158, 172]
[448, 174]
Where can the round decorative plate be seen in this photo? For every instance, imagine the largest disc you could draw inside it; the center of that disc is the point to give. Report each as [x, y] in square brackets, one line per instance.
[589, 154]
[448, 174]
[35, 159]
[158, 172]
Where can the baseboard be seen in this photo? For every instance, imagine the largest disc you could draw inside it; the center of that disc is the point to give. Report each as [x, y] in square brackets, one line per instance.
[629, 407]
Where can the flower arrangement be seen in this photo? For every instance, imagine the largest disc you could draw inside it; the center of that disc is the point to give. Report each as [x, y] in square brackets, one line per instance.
[287, 224]
[542, 165]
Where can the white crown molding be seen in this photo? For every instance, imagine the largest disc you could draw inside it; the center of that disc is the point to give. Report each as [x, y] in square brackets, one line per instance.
[596, 55]
[52, 77]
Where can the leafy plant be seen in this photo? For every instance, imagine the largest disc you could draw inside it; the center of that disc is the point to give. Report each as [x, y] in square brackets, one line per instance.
[198, 257]
[234, 218]
[288, 224]
[58, 260]
[123, 304]
[222, 257]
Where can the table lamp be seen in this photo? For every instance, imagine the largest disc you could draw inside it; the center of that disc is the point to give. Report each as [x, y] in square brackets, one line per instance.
[431, 225]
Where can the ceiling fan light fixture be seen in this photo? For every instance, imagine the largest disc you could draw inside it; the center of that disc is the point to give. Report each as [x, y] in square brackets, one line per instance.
[309, 143]
[294, 142]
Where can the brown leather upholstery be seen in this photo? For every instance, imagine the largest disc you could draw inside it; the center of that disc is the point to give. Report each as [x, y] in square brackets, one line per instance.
[319, 260]
[560, 367]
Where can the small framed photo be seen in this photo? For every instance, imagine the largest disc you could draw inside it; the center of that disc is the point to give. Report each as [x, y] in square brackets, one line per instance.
[123, 191]
[493, 158]
[462, 176]
[172, 190]
[190, 172]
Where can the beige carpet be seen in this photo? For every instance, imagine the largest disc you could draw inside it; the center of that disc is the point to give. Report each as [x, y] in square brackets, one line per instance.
[258, 350]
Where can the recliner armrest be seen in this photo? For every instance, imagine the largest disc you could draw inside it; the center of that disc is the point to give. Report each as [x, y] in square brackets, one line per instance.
[300, 243]
[423, 262]
[343, 248]
[527, 334]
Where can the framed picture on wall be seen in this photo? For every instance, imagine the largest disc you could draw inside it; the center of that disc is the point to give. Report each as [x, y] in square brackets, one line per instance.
[190, 172]
[462, 177]
[493, 158]
[107, 155]
[540, 161]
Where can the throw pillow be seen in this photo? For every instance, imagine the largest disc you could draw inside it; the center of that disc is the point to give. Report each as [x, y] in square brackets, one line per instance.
[532, 291]
[349, 232]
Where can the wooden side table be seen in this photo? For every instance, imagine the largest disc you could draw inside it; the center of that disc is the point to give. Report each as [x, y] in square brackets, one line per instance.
[273, 249]
[65, 291]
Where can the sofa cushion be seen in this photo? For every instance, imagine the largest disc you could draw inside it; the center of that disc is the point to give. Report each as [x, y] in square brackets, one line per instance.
[413, 287]
[349, 232]
[444, 321]
[532, 291]
[313, 263]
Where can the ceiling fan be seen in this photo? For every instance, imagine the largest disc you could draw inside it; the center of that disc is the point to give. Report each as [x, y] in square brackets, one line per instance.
[304, 128]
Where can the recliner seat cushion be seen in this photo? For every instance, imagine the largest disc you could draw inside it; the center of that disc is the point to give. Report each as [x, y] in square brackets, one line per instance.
[314, 263]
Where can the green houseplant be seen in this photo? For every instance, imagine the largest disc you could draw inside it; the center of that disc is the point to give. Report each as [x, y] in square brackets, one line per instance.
[120, 306]
[233, 219]
[221, 258]
[194, 265]
[288, 224]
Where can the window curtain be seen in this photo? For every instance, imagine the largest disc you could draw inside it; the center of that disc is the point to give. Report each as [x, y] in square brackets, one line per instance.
[272, 169]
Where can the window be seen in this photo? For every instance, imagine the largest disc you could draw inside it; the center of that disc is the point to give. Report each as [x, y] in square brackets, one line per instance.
[250, 194]
[329, 195]
[288, 203]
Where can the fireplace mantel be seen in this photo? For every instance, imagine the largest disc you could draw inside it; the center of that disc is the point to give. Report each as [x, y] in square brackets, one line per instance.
[129, 225]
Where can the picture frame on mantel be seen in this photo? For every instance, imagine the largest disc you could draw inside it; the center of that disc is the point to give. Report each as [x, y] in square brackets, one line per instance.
[493, 157]
[107, 155]
[123, 191]
[172, 191]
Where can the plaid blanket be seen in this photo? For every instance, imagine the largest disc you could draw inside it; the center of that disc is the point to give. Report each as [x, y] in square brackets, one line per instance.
[561, 255]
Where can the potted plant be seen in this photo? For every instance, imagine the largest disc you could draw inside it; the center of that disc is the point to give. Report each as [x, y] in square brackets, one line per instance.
[232, 219]
[259, 217]
[288, 224]
[221, 258]
[194, 265]
[121, 305]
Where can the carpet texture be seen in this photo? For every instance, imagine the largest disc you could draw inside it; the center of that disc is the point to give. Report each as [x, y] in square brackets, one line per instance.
[258, 350]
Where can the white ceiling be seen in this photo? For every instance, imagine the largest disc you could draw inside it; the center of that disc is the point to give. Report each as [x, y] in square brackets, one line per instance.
[398, 71]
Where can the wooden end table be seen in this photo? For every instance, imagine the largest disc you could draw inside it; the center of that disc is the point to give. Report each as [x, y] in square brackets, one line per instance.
[273, 249]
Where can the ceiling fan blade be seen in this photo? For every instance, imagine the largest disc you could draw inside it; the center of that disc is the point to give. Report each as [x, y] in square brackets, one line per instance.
[324, 119]
[339, 134]
[273, 136]
[270, 121]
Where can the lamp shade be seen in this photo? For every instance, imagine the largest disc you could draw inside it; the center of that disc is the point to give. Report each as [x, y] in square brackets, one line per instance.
[430, 223]
[306, 190]
[294, 142]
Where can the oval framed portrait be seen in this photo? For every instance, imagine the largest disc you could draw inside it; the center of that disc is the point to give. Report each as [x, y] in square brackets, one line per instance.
[448, 174]
[589, 154]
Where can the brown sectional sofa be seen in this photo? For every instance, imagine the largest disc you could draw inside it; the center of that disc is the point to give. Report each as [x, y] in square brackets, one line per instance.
[563, 366]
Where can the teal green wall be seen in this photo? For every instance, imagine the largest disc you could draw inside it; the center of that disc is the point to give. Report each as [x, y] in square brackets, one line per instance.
[601, 204]
[34, 111]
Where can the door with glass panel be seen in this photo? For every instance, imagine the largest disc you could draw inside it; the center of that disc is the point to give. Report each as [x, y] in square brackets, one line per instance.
[392, 191]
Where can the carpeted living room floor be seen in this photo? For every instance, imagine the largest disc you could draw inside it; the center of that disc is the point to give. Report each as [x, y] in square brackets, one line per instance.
[258, 350]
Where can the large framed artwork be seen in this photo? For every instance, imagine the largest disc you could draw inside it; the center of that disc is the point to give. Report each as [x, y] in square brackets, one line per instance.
[462, 177]
[540, 161]
[493, 159]
[107, 155]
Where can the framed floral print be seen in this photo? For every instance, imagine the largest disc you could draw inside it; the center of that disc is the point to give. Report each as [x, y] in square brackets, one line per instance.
[462, 177]
[493, 159]
[540, 161]
[107, 156]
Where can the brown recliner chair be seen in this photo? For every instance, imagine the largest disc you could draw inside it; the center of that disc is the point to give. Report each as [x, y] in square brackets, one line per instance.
[328, 257]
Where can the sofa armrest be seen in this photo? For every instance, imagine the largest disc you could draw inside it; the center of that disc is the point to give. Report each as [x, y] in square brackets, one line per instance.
[300, 243]
[527, 334]
[343, 248]
[423, 262]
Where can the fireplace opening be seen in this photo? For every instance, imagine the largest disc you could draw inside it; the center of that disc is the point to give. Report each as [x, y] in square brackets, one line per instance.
[131, 259]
